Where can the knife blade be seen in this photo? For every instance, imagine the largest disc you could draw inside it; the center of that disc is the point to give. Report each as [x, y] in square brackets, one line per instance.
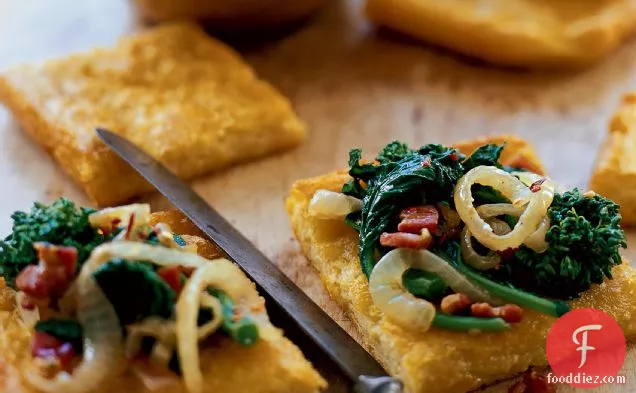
[364, 371]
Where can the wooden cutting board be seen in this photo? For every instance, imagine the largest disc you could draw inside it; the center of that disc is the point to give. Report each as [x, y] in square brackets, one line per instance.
[353, 86]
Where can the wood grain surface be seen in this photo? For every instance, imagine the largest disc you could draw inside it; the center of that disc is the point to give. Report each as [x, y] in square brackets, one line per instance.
[354, 86]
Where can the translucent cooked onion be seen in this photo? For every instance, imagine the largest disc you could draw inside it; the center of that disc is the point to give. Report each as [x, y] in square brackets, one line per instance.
[499, 209]
[103, 356]
[162, 330]
[121, 214]
[536, 241]
[210, 302]
[327, 204]
[528, 178]
[474, 259]
[162, 353]
[165, 332]
[536, 205]
[426, 260]
[135, 251]
[218, 274]
[393, 300]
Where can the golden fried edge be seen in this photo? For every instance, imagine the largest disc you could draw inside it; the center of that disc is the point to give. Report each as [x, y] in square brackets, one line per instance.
[612, 176]
[276, 366]
[498, 43]
[107, 179]
[437, 361]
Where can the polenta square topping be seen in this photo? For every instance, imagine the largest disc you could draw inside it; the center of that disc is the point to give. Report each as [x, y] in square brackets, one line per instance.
[113, 298]
[465, 243]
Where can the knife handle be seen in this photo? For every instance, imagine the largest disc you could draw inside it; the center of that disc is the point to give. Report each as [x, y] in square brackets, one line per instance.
[385, 384]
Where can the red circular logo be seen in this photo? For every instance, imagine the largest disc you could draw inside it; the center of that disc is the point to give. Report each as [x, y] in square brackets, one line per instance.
[585, 348]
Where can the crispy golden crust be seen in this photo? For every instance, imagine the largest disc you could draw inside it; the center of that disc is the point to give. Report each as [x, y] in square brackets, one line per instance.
[526, 33]
[435, 361]
[274, 366]
[188, 100]
[615, 173]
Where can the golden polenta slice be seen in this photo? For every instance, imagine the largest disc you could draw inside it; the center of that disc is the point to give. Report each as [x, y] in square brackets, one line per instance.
[437, 360]
[526, 33]
[187, 99]
[272, 365]
[615, 172]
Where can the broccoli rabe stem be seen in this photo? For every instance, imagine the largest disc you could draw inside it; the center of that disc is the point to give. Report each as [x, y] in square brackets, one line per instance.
[465, 324]
[243, 330]
[520, 298]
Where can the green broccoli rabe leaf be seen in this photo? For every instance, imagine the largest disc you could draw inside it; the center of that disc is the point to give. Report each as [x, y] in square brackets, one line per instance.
[135, 290]
[424, 284]
[487, 155]
[243, 330]
[403, 177]
[486, 194]
[584, 242]
[60, 223]
[393, 152]
[65, 330]
[424, 176]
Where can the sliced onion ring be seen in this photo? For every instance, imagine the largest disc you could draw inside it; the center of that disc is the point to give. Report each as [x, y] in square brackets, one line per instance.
[395, 301]
[426, 260]
[499, 209]
[327, 204]
[474, 259]
[105, 217]
[220, 274]
[513, 189]
[536, 241]
[103, 356]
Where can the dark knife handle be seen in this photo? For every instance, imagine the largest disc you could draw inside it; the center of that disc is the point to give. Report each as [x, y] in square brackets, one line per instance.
[378, 385]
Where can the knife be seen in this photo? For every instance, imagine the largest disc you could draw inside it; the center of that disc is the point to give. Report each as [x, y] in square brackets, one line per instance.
[363, 371]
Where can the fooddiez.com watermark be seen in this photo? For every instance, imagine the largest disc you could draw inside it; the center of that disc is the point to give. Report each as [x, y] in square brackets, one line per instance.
[582, 378]
[586, 348]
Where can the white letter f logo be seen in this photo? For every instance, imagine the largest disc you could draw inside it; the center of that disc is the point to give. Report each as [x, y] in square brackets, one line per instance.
[584, 347]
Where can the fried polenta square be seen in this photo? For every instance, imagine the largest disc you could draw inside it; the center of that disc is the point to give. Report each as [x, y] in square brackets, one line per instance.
[273, 365]
[438, 361]
[524, 33]
[187, 99]
[614, 174]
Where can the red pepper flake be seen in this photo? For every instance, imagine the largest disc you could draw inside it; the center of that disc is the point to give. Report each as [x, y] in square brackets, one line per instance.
[536, 186]
[426, 163]
[131, 221]
[453, 156]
